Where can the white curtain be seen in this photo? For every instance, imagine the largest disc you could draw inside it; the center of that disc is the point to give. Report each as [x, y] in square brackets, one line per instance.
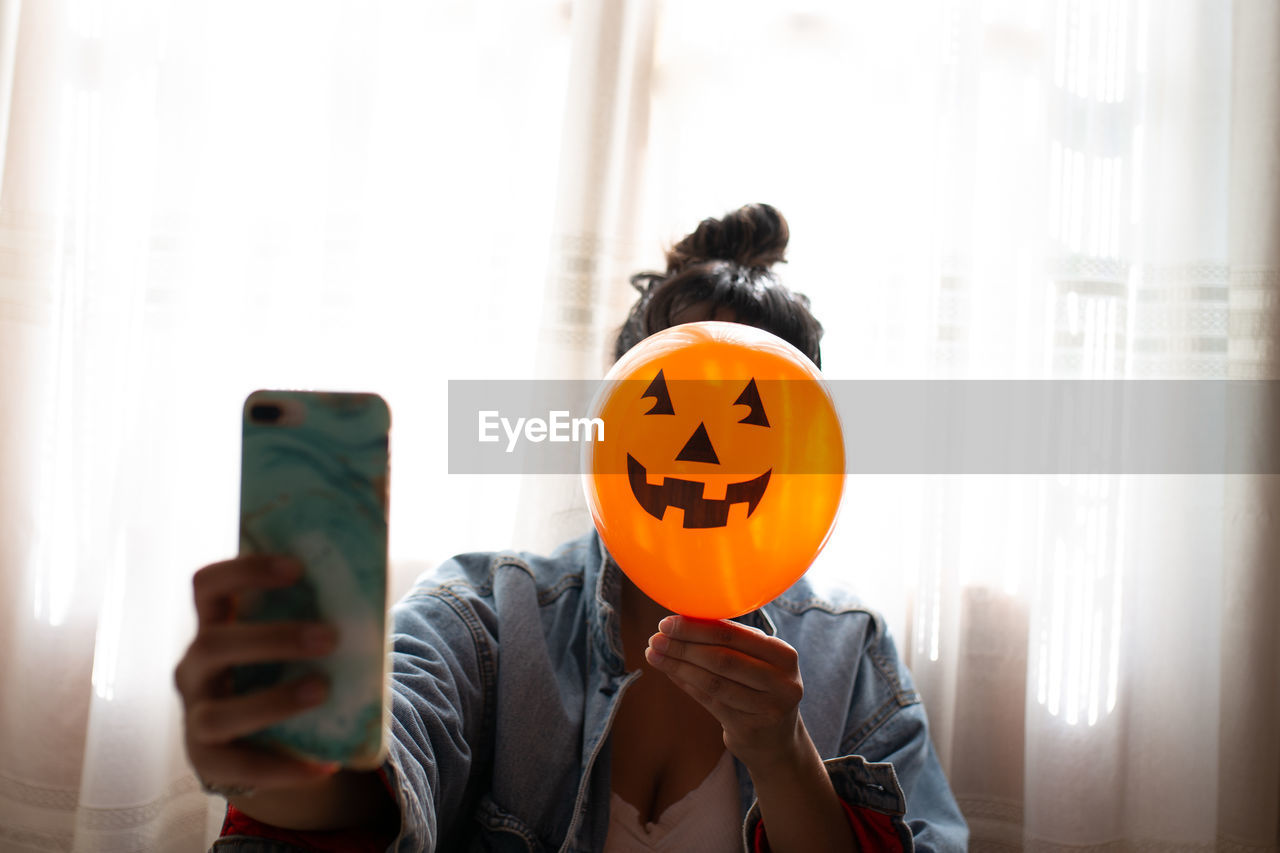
[200, 199]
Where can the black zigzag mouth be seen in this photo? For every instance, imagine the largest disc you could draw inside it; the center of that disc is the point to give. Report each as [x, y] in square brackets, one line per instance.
[687, 494]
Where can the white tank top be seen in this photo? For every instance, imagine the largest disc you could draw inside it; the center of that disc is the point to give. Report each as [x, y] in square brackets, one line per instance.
[706, 819]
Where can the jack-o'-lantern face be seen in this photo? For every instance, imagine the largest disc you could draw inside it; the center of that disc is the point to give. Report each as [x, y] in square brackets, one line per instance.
[689, 495]
[721, 468]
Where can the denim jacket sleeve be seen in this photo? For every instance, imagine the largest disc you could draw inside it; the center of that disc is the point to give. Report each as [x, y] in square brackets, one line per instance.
[443, 674]
[904, 746]
[901, 756]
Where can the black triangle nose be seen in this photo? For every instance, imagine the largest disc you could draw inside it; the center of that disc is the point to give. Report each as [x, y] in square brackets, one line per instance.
[698, 448]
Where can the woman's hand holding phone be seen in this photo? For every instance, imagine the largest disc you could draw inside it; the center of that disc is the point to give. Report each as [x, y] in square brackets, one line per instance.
[214, 717]
[265, 785]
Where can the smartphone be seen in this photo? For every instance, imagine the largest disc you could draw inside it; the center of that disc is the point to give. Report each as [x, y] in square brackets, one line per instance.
[313, 486]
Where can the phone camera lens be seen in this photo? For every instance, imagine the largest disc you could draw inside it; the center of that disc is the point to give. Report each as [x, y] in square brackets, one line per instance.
[265, 413]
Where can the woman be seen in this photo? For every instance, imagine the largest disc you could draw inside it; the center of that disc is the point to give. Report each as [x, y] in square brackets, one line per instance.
[547, 703]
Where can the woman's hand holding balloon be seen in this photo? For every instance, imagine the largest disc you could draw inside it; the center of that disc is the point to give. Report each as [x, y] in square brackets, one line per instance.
[746, 679]
[750, 682]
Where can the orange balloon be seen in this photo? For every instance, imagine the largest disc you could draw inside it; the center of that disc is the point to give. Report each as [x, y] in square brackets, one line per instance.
[721, 468]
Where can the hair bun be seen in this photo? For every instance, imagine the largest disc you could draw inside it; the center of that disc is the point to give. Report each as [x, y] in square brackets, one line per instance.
[753, 236]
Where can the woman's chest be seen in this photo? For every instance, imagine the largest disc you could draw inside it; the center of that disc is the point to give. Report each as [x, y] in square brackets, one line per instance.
[663, 745]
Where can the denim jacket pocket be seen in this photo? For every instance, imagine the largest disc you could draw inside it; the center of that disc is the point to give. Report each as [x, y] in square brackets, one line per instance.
[503, 832]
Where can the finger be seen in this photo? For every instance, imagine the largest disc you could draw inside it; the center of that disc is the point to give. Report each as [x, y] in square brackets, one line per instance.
[241, 765]
[723, 632]
[724, 661]
[218, 647]
[727, 717]
[716, 689]
[723, 714]
[215, 583]
[219, 721]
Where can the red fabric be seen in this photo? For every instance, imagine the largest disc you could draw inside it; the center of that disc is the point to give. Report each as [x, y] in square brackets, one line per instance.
[872, 831]
[333, 841]
[358, 840]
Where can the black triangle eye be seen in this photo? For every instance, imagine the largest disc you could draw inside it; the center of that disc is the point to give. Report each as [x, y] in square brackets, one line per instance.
[661, 396]
[750, 396]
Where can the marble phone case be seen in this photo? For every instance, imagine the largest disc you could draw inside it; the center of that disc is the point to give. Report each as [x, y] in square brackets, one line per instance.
[313, 485]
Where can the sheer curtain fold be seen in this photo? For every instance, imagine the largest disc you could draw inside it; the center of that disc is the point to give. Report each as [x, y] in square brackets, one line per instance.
[1145, 694]
[593, 244]
[9, 14]
[385, 196]
[1249, 733]
[178, 229]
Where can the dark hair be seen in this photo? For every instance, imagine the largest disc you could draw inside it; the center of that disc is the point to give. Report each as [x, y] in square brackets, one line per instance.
[725, 263]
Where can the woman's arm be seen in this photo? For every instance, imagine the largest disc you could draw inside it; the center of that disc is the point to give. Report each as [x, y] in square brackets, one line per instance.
[798, 803]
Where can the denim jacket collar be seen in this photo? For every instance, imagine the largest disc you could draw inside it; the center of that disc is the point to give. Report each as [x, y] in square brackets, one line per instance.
[603, 577]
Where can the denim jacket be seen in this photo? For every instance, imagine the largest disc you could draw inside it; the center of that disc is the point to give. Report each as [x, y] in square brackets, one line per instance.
[508, 671]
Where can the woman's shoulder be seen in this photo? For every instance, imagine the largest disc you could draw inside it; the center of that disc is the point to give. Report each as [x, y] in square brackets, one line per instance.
[828, 613]
[478, 573]
[841, 637]
[825, 596]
